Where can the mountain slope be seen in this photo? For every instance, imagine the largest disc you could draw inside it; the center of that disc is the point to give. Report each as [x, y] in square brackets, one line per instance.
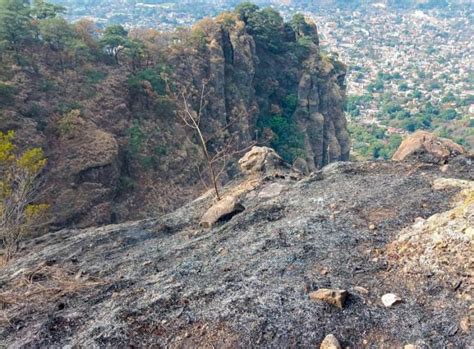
[108, 125]
[245, 282]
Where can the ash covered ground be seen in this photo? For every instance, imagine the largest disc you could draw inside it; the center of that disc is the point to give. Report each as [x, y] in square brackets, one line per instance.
[166, 282]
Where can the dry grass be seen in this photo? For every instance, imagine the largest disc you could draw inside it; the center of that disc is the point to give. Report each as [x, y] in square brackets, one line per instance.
[3, 261]
[40, 287]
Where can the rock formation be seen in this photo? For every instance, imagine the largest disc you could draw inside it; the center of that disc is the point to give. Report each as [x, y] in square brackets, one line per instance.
[427, 147]
[261, 160]
[321, 91]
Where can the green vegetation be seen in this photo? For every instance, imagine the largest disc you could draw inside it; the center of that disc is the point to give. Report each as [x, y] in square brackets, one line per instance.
[6, 94]
[94, 76]
[114, 40]
[354, 103]
[272, 33]
[69, 122]
[285, 137]
[36, 37]
[265, 25]
[377, 86]
[19, 183]
[153, 76]
[372, 142]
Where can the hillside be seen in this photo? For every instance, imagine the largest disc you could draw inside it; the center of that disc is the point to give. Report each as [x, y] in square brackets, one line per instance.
[367, 228]
[105, 109]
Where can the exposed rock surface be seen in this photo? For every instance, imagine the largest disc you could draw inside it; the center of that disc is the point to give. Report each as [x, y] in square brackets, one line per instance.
[128, 156]
[330, 342]
[319, 115]
[245, 282]
[260, 160]
[442, 245]
[225, 208]
[332, 296]
[427, 147]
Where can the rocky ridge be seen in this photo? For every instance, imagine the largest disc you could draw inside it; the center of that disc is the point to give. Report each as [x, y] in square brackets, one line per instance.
[248, 280]
[125, 154]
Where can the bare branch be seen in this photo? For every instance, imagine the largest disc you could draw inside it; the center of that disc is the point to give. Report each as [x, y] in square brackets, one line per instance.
[191, 118]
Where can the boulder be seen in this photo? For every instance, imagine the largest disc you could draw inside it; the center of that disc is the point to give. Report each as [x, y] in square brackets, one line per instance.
[427, 147]
[260, 160]
[225, 208]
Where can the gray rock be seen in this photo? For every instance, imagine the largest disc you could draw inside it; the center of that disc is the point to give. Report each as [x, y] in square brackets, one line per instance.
[271, 190]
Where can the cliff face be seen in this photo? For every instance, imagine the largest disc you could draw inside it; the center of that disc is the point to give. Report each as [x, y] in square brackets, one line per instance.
[117, 150]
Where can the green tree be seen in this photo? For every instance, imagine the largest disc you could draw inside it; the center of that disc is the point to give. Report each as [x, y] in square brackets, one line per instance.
[113, 40]
[266, 26]
[136, 52]
[449, 98]
[300, 26]
[43, 10]
[403, 86]
[449, 114]
[15, 26]
[58, 34]
[377, 86]
[19, 187]
[417, 94]
[245, 10]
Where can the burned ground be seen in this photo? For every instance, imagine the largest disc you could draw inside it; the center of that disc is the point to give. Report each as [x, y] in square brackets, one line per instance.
[167, 283]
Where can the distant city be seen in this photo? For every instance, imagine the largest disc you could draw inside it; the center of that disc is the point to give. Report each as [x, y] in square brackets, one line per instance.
[410, 63]
[165, 14]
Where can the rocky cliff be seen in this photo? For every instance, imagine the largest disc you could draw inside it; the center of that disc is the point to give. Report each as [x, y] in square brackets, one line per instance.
[117, 150]
[375, 253]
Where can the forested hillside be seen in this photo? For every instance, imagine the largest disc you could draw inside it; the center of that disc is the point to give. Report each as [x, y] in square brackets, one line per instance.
[106, 106]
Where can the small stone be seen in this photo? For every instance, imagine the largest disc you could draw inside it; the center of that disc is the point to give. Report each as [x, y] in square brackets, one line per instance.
[79, 275]
[330, 342]
[390, 299]
[444, 168]
[465, 324]
[332, 296]
[372, 227]
[223, 252]
[333, 205]
[410, 346]
[361, 290]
